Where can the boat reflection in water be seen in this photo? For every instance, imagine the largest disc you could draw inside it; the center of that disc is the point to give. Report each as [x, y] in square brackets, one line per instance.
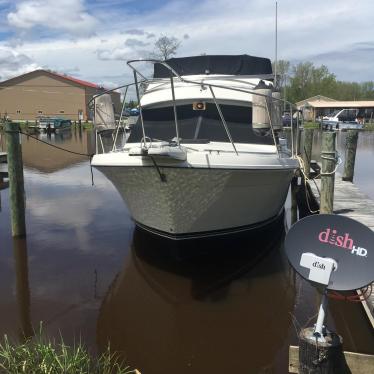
[226, 310]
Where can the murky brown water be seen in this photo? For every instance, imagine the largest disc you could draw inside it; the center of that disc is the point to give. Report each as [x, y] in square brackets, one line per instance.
[84, 270]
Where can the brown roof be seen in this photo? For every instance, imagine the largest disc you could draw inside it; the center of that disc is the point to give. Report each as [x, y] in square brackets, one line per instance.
[315, 98]
[75, 80]
[61, 76]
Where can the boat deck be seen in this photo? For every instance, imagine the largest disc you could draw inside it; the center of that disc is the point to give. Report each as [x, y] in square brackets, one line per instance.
[349, 201]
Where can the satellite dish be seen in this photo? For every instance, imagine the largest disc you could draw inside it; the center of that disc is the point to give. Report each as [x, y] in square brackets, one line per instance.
[335, 244]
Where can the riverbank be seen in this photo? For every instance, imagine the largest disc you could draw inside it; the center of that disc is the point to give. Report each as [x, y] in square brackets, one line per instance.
[40, 355]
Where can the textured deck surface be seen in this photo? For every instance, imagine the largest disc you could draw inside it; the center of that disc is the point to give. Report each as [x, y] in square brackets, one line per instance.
[349, 201]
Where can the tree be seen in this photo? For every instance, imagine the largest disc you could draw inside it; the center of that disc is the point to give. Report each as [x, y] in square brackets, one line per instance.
[283, 71]
[308, 80]
[283, 74]
[165, 47]
[304, 80]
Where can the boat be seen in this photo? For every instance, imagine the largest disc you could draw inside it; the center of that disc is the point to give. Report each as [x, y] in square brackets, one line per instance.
[343, 119]
[53, 123]
[206, 154]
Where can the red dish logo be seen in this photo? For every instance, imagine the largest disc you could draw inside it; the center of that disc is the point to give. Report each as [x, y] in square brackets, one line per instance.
[330, 236]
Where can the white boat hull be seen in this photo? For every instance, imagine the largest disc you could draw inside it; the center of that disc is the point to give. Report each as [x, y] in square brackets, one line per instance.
[200, 200]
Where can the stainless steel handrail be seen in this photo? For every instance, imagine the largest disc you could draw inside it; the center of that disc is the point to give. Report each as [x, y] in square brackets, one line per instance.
[223, 120]
[110, 90]
[201, 83]
[120, 120]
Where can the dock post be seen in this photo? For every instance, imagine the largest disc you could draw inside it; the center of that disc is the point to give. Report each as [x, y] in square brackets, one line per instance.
[328, 156]
[307, 150]
[298, 140]
[322, 357]
[16, 184]
[22, 287]
[350, 155]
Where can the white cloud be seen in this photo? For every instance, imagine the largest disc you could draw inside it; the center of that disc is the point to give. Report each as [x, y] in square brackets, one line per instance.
[305, 29]
[13, 63]
[66, 15]
[114, 54]
[135, 32]
[135, 43]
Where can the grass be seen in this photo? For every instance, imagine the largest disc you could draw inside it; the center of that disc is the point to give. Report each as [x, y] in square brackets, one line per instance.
[369, 127]
[43, 356]
[311, 125]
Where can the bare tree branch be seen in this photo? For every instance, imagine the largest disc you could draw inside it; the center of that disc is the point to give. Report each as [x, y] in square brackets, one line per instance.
[165, 47]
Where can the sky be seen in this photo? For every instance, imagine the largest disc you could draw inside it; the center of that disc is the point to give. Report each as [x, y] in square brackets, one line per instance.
[93, 39]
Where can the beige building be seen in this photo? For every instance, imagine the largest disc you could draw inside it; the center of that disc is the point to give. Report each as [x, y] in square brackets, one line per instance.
[319, 105]
[44, 93]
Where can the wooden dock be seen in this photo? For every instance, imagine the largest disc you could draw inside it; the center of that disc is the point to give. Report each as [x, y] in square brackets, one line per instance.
[357, 363]
[349, 201]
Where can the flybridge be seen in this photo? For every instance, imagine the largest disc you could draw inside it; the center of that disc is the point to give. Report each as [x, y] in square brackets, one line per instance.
[215, 64]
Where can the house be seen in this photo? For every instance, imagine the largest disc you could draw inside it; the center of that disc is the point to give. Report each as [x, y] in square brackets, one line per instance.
[319, 105]
[46, 93]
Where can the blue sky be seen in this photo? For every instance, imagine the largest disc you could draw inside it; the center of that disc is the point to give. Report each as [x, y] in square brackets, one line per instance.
[92, 39]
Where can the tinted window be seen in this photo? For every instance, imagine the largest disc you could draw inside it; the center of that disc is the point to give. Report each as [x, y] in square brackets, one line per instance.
[199, 125]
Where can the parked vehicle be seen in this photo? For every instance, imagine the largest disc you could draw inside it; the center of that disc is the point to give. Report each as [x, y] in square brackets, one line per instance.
[286, 118]
[134, 112]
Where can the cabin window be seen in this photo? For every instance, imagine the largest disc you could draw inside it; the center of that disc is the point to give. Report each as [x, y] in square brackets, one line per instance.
[62, 111]
[18, 112]
[200, 126]
[40, 111]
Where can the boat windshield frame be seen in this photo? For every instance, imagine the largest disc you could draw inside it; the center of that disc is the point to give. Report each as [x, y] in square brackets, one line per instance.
[211, 86]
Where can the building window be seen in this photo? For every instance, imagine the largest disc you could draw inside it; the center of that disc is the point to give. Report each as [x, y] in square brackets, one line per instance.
[18, 112]
[62, 111]
[40, 111]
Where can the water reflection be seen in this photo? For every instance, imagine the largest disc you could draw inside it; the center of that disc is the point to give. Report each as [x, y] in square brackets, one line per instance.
[222, 311]
[22, 287]
[47, 159]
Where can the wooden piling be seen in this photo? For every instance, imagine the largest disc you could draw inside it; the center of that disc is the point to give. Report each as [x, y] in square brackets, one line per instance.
[328, 156]
[307, 150]
[16, 183]
[350, 155]
[299, 132]
[358, 363]
[22, 287]
[321, 357]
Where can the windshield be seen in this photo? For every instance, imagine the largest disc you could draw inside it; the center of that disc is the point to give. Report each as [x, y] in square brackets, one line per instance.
[199, 126]
[334, 113]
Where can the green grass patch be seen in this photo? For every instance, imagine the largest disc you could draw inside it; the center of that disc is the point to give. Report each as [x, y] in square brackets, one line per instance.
[42, 356]
[85, 125]
[311, 125]
[369, 126]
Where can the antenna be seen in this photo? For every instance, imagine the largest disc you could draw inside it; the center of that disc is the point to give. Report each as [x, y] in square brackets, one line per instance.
[276, 44]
